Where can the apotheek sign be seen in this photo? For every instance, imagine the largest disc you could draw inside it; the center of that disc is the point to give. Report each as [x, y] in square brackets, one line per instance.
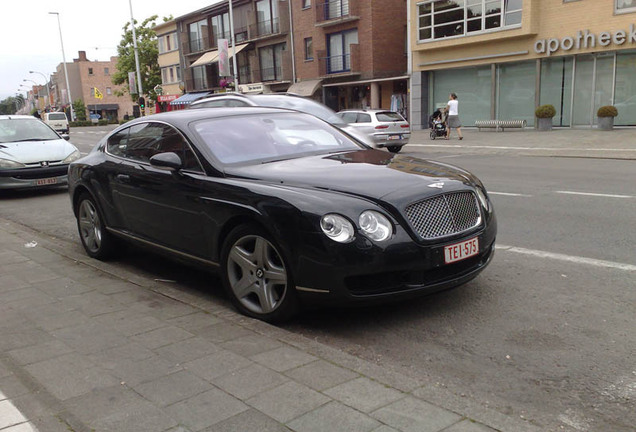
[585, 40]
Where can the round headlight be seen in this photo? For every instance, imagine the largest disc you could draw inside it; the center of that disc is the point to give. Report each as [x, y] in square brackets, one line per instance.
[482, 198]
[6, 163]
[337, 228]
[375, 225]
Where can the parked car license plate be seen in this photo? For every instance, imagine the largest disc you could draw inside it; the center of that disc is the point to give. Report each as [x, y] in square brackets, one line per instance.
[395, 137]
[459, 251]
[46, 181]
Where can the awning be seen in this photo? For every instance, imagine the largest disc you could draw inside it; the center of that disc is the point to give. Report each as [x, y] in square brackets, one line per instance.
[213, 56]
[103, 106]
[305, 88]
[188, 98]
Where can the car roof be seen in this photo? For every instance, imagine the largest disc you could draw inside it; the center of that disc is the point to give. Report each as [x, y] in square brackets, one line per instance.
[16, 117]
[371, 111]
[244, 96]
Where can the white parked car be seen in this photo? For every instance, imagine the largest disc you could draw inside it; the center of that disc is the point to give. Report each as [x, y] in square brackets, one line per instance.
[57, 121]
[32, 154]
[386, 128]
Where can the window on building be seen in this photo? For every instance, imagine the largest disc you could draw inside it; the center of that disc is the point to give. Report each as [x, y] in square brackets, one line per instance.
[199, 79]
[624, 6]
[271, 59]
[339, 50]
[106, 71]
[221, 27]
[441, 19]
[306, 4]
[267, 16]
[109, 91]
[198, 34]
[90, 71]
[309, 49]
[336, 8]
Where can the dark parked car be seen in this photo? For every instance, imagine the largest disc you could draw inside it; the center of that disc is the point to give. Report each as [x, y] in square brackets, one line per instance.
[286, 206]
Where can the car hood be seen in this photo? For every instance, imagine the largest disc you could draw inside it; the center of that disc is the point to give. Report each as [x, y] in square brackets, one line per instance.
[36, 151]
[373, 174]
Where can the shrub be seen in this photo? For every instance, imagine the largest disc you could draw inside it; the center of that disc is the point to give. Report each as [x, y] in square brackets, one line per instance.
[545, 111]
[607, 111]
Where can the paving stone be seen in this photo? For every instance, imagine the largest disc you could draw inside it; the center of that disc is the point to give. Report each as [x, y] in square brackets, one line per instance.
[248, 421]
[25, 298]
[55, 316]
[22, 337]
[364, 394]
[206, 409]
[162, 307]
[64, 287]
[321, 375]
[469, 426]
[173, 388]
[23, 427]
[250, 381]
[90, 337]
[29, 271]
[220, 363]
[385, 428]
[112, 357]
[130, 323]
[162, 336]
[11, 282]
[251, 345]
[187, 350]
[12, 257]
[93, 303]
[70, 376]
[334, 417]
[138, 372]
[283, 358]
[223, 332]
[10, 415]
[415, 415]
[288, 401]
[40, 352]
[195, 321]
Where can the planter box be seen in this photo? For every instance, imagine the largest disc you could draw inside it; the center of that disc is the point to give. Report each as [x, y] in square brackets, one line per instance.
[606, 123]
[544, 124]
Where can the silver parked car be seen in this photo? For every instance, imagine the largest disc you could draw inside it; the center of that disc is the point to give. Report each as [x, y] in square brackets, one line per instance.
[283, 100]
[32, 154]
[387, 128]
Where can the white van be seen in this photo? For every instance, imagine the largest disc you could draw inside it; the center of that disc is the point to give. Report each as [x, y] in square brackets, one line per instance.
[57, 120]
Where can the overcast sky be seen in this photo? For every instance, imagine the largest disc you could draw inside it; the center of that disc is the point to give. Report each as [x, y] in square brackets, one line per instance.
[32, 39]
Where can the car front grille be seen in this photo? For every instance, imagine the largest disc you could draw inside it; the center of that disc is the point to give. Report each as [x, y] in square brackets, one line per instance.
[444, 215]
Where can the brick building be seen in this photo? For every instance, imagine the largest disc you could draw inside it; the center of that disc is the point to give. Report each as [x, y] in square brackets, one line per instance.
[505, 58]
[86, 75]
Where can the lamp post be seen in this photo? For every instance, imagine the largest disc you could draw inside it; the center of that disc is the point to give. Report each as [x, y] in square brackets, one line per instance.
[48, 87]
[134, 35]
[68, 87]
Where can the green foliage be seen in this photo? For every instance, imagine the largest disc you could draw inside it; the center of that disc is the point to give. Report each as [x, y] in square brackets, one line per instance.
[80, 110]
[148, 50]
[607, 111]
[545, 111]
[80, 123]
[11, 105]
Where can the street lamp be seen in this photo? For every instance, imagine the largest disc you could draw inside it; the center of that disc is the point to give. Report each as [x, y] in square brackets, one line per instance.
[139, 85]
[68, 87]
[48, 87]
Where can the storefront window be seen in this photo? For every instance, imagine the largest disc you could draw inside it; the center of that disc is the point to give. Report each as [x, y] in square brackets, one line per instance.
[441, 19]
[473, 88]
[623, 6]
[516, 91]
[556, 88]
[625, 89]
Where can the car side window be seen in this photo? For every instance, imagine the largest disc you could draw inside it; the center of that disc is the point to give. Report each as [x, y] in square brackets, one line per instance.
[349, 117]
[173, 141]
[143, 141]
[363, 118]
[236, 103]
[211, 104]
[116, 144]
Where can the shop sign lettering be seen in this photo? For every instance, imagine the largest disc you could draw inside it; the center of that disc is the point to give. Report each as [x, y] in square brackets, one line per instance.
[584, 40]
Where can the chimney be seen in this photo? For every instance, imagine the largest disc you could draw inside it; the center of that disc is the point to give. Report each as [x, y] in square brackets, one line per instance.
[82, 56]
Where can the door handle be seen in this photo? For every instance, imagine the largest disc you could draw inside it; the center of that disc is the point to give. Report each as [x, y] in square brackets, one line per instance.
[123, 178]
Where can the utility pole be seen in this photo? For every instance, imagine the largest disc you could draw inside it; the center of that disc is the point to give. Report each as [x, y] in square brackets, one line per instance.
[68, 87]
[134, 35]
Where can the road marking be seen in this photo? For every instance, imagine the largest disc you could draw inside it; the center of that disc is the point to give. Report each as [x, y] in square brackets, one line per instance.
[594, 194]
[508, 194]
[524, 148]
[568, 258]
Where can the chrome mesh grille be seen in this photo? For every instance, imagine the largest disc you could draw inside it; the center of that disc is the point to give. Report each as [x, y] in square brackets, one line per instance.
[444, 215]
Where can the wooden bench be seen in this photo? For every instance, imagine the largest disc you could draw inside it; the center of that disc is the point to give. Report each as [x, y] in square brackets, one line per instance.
[500, 124]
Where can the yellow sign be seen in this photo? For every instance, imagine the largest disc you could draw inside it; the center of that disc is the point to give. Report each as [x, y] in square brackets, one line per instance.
[98, 94]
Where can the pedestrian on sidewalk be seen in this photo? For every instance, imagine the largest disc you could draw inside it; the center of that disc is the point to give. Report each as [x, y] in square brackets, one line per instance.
[452, 111]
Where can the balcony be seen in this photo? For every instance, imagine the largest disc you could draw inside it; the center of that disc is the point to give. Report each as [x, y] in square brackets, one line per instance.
[196, 45]
[269, 28]
[342, 64]
[334, 12]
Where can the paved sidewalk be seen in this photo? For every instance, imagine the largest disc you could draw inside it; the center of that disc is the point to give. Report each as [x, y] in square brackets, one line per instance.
[619, 143]
[85, 346]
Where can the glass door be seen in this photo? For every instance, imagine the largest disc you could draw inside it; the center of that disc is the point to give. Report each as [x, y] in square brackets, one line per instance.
[593, 86]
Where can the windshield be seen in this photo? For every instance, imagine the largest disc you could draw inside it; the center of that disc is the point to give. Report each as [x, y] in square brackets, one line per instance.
[300, 104]
[269, 137]
[57, 116]
[14, 129]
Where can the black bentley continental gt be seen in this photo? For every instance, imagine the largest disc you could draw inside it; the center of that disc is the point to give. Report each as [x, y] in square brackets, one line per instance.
[288, 208]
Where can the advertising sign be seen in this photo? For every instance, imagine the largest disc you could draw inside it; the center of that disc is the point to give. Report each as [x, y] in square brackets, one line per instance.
[224, 58]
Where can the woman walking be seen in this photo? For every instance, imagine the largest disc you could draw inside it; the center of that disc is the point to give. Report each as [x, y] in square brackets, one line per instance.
[452, 110]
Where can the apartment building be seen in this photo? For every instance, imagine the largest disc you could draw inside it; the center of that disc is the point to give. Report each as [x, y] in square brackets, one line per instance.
[346, 53]
[503, 58]
[170, 64]
[84, 76]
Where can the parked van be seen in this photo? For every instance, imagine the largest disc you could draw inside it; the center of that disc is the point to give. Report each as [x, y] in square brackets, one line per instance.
[57, 120]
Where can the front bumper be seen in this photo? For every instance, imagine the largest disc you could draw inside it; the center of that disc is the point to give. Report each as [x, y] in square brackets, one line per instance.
[34, 177]
[363, 272]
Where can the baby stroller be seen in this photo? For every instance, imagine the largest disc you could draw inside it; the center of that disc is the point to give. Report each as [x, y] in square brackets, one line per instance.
[437, 125]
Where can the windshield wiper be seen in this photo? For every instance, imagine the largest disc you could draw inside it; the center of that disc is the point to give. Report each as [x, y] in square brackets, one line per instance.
[34, 139]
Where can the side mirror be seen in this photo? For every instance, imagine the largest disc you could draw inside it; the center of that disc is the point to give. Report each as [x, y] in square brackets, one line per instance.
[66, 137]
[168, 161]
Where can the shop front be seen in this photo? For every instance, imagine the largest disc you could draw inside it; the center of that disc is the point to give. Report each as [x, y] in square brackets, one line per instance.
[163, 103]
[546, 57]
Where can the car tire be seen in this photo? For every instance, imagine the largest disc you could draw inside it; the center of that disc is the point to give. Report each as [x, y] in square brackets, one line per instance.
[433, 134]
[97, 241]
[256, 275]
[394, 149]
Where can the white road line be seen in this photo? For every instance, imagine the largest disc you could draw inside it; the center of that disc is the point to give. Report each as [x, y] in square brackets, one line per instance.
[594, 194]
[568, 258]
[508, 194]
[523, 148]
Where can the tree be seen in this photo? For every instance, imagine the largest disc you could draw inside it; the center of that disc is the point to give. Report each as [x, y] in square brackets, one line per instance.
[79, 109]
[148, 54]
[11, 105]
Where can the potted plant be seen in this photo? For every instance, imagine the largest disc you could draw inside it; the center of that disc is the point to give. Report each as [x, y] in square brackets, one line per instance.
[606, 116]
[544, 114]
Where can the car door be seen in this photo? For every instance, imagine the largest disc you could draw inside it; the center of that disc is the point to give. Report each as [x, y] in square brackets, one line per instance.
[157, 205]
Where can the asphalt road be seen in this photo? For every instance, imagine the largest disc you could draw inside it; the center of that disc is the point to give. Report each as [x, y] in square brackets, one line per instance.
[547, 332]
